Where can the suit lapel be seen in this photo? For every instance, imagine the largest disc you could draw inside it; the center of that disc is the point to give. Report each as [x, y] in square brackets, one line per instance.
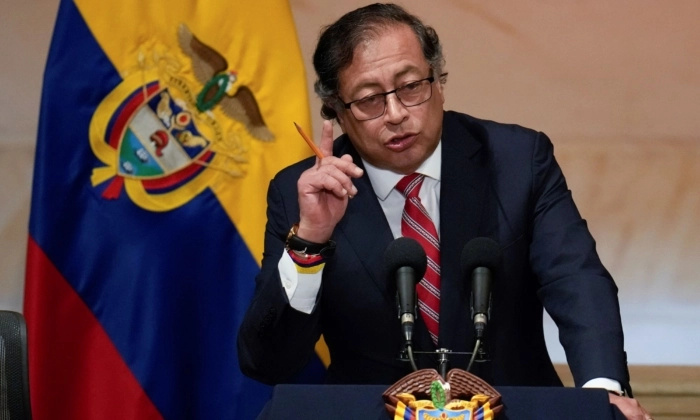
[364, 225]
[463, 197]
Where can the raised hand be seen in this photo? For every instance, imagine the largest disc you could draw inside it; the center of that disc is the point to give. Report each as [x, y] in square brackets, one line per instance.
[324, 191]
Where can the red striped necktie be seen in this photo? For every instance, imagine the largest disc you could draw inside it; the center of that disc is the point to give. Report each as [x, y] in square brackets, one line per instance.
[416, 224]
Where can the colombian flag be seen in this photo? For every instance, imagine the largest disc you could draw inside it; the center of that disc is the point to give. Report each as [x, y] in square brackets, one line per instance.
[161, 124]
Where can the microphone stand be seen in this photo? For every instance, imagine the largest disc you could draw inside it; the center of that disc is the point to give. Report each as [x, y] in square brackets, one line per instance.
[443, 362]
[479, 355]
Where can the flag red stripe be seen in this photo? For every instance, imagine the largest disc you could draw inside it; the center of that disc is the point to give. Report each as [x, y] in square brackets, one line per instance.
[69, 353]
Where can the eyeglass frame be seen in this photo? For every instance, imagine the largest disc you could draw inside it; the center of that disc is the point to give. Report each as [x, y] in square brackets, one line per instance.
[348, 105]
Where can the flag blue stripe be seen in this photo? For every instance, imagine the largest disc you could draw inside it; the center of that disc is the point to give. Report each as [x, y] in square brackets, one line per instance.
[170, 289]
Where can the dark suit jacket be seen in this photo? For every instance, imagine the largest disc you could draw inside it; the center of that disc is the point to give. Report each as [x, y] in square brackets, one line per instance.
[499, 181]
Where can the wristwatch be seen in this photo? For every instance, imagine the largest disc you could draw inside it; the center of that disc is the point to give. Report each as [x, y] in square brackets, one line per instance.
[306, 248]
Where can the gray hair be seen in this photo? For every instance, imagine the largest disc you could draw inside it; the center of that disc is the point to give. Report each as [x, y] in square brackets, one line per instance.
[338, 41]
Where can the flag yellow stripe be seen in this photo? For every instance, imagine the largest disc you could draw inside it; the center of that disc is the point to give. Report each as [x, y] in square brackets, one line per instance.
[258, 41]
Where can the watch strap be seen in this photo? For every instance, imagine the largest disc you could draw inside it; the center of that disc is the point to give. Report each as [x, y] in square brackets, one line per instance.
[302, 246]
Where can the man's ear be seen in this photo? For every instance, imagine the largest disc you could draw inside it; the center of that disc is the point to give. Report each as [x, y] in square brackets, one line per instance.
[441, 92]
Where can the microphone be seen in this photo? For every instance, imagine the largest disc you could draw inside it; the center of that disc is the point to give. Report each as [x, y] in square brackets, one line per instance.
[406, 261]
[481, 257]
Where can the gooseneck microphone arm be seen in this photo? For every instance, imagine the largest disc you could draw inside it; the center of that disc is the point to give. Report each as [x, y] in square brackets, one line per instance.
[406, 290]
[481, 258]
[406, 263]
[481, 299]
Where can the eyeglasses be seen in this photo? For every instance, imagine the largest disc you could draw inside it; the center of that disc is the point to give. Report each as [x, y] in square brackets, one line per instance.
[373, 106]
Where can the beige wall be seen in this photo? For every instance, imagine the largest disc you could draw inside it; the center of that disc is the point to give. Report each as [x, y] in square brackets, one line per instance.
[616, 85]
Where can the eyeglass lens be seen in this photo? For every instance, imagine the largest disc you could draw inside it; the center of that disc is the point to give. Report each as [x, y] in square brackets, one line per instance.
[412, 94]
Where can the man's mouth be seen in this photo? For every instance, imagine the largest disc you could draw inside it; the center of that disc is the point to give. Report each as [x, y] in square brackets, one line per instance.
[401, 142]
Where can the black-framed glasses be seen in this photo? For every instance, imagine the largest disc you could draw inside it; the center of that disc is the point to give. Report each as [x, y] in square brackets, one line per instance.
[374, 106]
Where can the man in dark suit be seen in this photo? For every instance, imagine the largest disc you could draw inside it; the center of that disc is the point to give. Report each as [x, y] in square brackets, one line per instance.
[331, 218]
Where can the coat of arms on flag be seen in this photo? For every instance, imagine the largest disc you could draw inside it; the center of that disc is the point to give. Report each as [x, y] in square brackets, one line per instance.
[178, 113]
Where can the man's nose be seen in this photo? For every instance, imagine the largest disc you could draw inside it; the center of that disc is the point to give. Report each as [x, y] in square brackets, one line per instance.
[395, 110]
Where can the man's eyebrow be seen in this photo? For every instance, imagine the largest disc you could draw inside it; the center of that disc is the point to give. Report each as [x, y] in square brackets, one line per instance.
[406, 71]
[372, 83]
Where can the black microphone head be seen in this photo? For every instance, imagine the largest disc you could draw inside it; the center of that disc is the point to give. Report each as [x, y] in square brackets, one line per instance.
[480, 252]
[405, 252]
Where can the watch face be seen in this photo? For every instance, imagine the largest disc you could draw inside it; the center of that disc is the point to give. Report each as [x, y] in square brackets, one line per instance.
[292, 233]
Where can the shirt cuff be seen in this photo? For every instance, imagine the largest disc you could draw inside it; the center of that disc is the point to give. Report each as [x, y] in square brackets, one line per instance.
[609, 384]
[301, 287]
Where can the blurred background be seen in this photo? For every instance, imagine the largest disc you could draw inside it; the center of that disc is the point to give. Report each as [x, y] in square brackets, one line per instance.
[616, 85]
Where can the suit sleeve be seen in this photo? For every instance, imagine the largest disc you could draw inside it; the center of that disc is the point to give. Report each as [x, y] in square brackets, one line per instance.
[574, 287]
[275, 341]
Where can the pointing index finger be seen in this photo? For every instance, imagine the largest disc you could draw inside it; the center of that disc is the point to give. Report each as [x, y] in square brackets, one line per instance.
[327, 138]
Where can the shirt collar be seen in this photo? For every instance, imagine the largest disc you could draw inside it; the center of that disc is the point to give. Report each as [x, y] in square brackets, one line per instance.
[384, 180]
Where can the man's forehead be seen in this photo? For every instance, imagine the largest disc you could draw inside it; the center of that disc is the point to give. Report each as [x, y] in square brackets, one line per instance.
[364, 79]
[390, 55]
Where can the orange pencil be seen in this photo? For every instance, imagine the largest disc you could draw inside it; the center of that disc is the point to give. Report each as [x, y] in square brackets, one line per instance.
[311, 144]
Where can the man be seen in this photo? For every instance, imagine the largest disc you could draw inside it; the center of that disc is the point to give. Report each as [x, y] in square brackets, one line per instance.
[329, 220]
